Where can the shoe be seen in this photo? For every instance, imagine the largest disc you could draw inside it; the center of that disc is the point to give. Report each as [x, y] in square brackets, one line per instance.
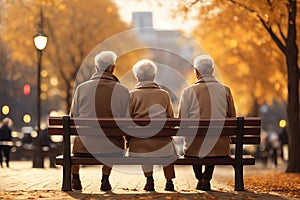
[149, 185]
[199, 185]
[105, 185]
[7, 164]
[206, 185]
[76, 184]
[169, 186]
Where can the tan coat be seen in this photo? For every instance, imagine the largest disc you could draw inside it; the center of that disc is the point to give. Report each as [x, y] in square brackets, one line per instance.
[142, 99]
[101, 96]
[207, 98]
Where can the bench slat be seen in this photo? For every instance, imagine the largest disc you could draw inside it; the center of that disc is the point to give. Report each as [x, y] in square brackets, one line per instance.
[249, 121]
[247, 140]
[247, 160]
[230, 131]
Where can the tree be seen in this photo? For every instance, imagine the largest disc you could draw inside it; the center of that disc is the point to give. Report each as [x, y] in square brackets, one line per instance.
[278, 18]
[74, 29]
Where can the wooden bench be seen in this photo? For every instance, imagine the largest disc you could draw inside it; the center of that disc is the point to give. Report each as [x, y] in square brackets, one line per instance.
[241, 130]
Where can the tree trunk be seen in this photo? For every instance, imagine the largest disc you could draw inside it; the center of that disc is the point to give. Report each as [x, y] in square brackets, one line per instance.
[293, 109]
[293, 91]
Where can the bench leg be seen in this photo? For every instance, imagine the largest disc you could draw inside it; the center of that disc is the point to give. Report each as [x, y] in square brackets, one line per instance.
[67, 155]
[66, 185]
[238, 178]
[238, 161]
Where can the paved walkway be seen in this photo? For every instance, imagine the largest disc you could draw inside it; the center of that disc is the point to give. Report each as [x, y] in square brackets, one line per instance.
[21, 181]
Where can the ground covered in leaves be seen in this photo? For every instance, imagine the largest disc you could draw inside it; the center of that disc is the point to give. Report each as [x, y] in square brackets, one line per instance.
[284, 184]
[272, 185]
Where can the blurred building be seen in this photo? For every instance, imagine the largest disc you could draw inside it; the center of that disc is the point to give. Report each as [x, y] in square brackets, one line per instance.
[171, 50]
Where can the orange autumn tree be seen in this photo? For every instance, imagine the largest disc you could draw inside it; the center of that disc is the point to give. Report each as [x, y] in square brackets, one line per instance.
[260, 38]
[74, 28]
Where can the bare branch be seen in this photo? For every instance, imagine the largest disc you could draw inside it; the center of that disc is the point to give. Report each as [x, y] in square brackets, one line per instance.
[280, 31]
[192, 3]
[274, 36]
[265, 24]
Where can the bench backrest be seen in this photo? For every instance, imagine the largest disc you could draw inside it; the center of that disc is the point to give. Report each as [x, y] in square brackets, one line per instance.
[248, 128]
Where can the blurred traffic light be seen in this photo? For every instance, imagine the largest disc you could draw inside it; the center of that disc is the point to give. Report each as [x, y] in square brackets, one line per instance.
[26, 89]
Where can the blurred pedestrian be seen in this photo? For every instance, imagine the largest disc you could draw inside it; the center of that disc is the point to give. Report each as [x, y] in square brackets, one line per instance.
[283, 138]
[5, 140]
[274, 146]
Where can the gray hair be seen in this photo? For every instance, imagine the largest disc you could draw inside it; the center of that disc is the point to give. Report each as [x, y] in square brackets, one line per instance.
[105, 59]
[145, 70]
[204, 64]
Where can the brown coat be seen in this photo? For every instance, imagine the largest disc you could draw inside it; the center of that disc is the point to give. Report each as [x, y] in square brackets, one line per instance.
[147, 96]
[207, 98]
[101, 96]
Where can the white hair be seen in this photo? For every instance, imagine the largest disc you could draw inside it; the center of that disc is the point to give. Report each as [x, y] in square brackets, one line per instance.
[204, 64]
[144, 70]
[105, 59]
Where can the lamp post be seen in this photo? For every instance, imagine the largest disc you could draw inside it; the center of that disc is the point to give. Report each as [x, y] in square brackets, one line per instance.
[40, 40]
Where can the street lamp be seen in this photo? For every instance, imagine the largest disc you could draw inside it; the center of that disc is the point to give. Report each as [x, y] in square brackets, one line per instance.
[40, 40]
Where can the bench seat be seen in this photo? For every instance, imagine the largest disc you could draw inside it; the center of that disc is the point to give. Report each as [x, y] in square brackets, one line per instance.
[215, 160]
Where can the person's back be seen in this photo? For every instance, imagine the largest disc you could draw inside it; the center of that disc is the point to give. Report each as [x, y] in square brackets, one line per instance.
[144, 103]
[5, 133]
[207, 99]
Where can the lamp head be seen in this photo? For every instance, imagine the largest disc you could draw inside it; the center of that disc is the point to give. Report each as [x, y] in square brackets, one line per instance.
[40, 40]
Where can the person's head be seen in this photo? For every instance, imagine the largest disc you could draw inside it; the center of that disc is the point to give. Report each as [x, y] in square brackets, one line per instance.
[203, 65]
[105, 61]
[144, 70]
[7, 122]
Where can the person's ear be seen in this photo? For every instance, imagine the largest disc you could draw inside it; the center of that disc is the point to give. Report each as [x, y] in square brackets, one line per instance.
[113, 68]
[197, 73]
[137, 78]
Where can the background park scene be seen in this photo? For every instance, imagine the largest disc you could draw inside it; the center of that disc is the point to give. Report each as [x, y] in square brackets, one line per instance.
[255, 48]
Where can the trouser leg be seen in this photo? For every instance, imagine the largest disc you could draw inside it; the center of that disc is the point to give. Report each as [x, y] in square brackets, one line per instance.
[198, 171]
[208, 173]
[148, 170]
[75, 169]
[169, 172]
[1, 156]
[106, 170]
[7, 154]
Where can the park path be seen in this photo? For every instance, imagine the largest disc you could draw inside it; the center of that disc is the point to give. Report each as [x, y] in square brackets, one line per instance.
[21, 181]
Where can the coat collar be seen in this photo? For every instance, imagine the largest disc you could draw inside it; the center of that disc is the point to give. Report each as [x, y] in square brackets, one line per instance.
[104, 75]
[205, 79]
[147, 84]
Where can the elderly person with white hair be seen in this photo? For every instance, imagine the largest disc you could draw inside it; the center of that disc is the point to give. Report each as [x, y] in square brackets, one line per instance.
[208, 99]
[101, 96]
[148, 100]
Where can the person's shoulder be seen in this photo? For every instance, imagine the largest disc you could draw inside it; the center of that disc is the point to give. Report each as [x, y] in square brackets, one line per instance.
[227, 88]
[163, 91]
[120, 86]
[189, 88]
[85, 84]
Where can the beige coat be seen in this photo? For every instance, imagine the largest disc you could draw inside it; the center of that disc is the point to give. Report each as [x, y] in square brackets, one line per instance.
[207, 98]
[147, 96]
[101, 96]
